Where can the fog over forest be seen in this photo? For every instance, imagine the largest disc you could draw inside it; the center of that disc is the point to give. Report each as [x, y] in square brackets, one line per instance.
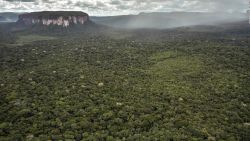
[124, 70]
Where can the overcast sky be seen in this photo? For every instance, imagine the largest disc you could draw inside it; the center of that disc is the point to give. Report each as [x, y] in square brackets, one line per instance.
[118, 7]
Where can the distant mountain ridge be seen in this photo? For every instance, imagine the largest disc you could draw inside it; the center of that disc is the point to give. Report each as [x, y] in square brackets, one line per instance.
[2, 19]
[168, 19]
[10, 16]
[160, 20]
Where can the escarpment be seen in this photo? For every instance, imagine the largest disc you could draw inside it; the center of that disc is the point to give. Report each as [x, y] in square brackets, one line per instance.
[57, 18]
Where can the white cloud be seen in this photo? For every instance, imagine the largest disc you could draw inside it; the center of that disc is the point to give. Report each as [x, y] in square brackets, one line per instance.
[113, 7]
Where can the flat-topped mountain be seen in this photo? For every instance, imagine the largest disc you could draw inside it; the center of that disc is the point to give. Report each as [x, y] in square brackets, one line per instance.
[58, 18]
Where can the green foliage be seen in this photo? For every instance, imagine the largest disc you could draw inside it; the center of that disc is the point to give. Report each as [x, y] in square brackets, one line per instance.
[89, 87]
[25, 39]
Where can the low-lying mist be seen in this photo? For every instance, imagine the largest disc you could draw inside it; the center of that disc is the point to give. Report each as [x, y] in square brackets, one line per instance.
[169, 20]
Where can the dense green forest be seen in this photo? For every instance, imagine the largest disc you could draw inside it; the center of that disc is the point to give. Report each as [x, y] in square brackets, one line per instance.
[148, 85]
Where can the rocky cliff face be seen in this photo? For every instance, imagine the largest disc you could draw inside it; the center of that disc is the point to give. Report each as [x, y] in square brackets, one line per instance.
[58, 18]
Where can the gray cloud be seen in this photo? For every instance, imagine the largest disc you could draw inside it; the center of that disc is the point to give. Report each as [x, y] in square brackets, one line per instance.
[112, 7]
[20, 0]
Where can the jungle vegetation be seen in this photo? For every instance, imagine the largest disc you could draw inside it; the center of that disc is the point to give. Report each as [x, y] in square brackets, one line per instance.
[149, 85]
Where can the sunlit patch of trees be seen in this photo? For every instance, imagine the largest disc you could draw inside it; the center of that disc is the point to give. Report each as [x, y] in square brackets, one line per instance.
[98, 88]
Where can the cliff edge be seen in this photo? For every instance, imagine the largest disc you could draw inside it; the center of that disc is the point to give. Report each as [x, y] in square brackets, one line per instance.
[57, 18]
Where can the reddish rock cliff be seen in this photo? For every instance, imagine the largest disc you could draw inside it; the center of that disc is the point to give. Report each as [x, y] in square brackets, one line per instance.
[59, 18]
